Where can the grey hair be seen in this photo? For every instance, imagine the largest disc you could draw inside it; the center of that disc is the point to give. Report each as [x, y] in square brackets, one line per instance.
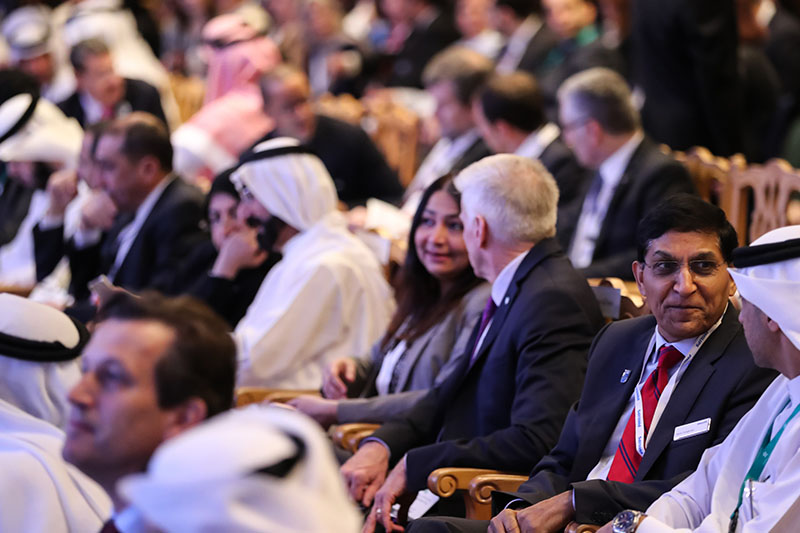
[465, 68]
[603, 95]
[516, 195]
[81, 52]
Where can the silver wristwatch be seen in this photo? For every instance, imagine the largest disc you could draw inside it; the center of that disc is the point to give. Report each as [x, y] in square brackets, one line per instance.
[627, 521]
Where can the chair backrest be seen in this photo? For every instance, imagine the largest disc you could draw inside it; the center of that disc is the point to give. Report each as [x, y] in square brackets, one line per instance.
[393, 128]
[189, 93]
[759, 196]
[709, 173]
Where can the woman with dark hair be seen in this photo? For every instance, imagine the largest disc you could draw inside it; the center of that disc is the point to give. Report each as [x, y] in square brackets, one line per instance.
[226, 271]
[439, 302]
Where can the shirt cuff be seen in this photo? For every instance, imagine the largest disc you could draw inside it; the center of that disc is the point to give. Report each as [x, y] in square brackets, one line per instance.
[87, 237]
[376, 439]
[514, 504]
[50, 222]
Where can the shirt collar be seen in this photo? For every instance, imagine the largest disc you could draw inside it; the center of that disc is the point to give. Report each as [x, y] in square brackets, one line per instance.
[537, 142]
[503, 280]
[525, 32]
[613, 168]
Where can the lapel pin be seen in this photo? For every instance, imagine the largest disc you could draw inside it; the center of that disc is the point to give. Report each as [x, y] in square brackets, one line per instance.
[625, 375]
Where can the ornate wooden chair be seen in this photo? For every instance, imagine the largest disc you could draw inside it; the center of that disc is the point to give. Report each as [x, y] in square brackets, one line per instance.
[349, 436]
[758, 197]
[709, 173]
[248, 395]
[189, 93]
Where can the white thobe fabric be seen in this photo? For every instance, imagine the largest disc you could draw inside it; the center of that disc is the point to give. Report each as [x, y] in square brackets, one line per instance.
[704, 501]
[41, 491]
[538, 141]
[184, 491]
[327, 297]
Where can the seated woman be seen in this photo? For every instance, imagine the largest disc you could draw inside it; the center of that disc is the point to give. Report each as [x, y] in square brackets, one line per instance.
[439, 302]
[226, 271]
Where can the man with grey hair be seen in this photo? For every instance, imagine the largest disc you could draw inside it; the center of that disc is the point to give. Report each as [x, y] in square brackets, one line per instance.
[504, 406]
[603, 128]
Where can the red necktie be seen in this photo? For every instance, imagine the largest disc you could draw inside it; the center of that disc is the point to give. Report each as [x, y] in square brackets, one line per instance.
[486, 317]
[627, 459]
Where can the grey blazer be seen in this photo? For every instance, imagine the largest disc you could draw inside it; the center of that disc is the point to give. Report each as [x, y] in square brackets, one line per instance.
[427, 362]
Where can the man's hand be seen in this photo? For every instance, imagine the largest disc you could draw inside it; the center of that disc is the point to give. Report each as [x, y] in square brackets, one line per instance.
[365, 471]
[98, 212]
[606, 529]
[548, 516]
[389, 493]
[338, 374]
[239, 250]
[62, 187]
[320, 409]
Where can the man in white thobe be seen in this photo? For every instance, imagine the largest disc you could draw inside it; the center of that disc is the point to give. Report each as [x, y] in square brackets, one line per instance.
[751, 481]
[327, 298]
[39, 348]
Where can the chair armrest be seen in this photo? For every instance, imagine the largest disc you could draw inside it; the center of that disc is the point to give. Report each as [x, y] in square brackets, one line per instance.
[574, 527]
[482, 486]
[248, 395]
[349, 436]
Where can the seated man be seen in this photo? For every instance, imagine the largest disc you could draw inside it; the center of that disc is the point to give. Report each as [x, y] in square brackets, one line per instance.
[528, 40]
[153, 368]
[39, 349]
[704, 383]
[358, 169]
[749, 482]
[36, 139]
[327, 297]
[505, 403]
[601, 125]
[510, 116]
[274, 472]
[451, 77]
[155, 216]
[102, 94]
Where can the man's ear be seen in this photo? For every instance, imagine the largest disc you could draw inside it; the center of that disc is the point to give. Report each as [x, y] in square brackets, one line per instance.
[481, 231]
[188, 414]
[150, 167]
[638, 275]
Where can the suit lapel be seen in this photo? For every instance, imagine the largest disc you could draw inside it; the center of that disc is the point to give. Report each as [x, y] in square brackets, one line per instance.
[686, 393]
[631, 359]
[408, 361]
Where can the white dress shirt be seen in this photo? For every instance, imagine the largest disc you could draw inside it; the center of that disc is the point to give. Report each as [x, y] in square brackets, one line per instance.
[537, 142]
[704, 501]
[591, 220]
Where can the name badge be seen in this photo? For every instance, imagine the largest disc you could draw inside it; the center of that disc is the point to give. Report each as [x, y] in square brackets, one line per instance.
[691, 429]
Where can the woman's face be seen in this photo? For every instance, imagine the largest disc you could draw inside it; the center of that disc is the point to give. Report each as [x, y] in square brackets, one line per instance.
[439, 239]
[221, 217]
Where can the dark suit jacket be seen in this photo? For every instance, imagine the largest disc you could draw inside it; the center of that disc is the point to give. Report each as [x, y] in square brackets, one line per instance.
[505, 411]
[476, 152]
[650, 177]
[537, 50]
[570, 176]
[139, 96]
[684, 58]
[420, 46]
[167, 236]
[721, 383]
[357, 167]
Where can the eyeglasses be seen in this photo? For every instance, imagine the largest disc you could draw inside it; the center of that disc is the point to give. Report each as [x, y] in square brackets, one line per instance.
[698, 267]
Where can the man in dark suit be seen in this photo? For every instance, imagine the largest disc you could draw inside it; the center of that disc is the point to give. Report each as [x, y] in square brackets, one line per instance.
[529, 40]
[451, 77]
[632, 175]
[157, 214]
[685, 62]
[358, 169]
[510, 116]
[684, 246]
[504, 406]
[102, 94]
[432, 30]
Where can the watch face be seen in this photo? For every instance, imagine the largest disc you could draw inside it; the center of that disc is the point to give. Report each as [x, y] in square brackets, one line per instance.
[624, 521]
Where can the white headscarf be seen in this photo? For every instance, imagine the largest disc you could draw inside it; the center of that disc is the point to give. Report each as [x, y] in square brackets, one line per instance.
[295, 187]
[48, 136]
[208, 479]
[774, 287]
[39, 348]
